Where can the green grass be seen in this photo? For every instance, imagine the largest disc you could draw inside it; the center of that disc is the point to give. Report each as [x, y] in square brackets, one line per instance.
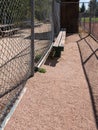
[41, 70]
[38, 57]
[87, 19]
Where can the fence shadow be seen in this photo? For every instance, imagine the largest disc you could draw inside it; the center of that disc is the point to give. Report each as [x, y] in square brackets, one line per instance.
[88, 49]
[42, 35]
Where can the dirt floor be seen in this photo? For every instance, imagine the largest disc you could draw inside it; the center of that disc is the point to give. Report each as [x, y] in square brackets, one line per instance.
[15, 60]
[94, 29]
[59, 99]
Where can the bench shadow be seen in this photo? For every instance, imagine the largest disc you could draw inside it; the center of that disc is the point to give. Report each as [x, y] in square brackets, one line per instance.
[69, 34]
[89, 61]
[52, 61]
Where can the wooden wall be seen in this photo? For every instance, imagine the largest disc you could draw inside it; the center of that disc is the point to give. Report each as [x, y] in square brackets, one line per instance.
[69, 16]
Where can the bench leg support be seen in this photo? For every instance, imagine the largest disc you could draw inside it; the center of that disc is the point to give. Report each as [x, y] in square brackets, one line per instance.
[57, 52]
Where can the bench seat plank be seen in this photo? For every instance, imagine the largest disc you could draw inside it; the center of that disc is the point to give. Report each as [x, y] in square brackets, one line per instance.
[58, 45]
[62, 42]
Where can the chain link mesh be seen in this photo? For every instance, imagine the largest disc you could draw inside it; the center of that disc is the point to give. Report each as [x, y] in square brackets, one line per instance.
[43, 28]
[89, 17]
[15, 50]
[15, 40]
[88, 48]
[56, 17]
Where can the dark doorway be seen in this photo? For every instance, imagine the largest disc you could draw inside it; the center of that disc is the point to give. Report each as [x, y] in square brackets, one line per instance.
[70, 15]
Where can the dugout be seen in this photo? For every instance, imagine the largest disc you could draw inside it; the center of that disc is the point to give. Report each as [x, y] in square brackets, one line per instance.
[69, 15]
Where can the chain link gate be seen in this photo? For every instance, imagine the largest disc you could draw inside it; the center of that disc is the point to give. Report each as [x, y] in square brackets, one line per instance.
[16, 50]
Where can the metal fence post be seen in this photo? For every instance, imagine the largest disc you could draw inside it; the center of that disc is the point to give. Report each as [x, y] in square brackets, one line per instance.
[32, 37]
[52, 20]
[90, 20]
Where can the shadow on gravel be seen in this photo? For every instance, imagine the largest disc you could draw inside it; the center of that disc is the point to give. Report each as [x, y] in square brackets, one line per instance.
[51, 61]
[88, 49]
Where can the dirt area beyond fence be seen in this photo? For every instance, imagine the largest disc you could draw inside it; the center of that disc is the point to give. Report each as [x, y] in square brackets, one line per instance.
[58, 99]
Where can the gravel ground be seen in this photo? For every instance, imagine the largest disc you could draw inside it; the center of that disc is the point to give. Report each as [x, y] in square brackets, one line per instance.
[94, 28]
[58, 99]
[89, 48]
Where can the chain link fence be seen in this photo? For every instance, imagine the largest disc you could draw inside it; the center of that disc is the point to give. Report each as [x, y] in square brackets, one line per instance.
[88, 48]
[88, 19]
[15, 50]
[56, 17]
[43, 28]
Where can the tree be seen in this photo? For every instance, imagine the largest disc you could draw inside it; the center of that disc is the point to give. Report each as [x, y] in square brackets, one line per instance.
[92, 7]
[96, 12]
[12, 11]
[42, 9]
[83, 9]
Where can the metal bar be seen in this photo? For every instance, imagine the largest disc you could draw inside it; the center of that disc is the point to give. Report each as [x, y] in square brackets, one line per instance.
[70, 2]
[90, 21]
[32, 37]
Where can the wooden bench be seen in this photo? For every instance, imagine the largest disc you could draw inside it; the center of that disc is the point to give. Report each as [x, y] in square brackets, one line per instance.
[8, 32]
[58, 45]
